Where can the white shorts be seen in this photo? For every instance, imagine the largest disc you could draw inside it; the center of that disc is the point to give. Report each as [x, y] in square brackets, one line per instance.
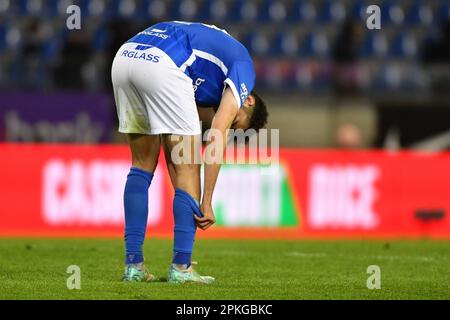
[153, 96]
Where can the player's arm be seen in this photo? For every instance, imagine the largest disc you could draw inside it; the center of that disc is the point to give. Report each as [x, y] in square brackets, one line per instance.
[217, 140]
[206, 116]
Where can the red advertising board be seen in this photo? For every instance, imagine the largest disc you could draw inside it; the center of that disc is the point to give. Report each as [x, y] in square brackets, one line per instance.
[72, 190]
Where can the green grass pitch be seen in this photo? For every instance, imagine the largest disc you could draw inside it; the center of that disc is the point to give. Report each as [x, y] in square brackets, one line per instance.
[36, 269]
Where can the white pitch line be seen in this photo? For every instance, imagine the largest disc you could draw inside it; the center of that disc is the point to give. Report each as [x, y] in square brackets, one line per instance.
[382, 257]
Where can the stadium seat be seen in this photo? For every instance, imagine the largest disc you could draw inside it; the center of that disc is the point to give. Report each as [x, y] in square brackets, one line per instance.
[185, 10]
[94, 8]
[258, 43]
[315, 45]
[358, 9]
[52, 8]
[7, 7]
[303, 11]
[392, 13]
[332, 11]
[273, 11]
[443, 12]
[58, 7]
[12, 36]
[2, 37]
[244, 10]
[420, 13]
[203, 11]
[32, 7]
[270, 29]
[100, 38]
[122, 8]
[285, 44]
[390, 77]
[154, 10]
[375, 46]
[215, 10]
[404, 45]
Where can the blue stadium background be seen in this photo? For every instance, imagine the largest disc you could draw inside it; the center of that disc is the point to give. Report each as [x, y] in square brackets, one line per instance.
[298, 45]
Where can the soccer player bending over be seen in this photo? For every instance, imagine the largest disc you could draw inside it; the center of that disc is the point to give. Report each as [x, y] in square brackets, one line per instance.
[160, 76]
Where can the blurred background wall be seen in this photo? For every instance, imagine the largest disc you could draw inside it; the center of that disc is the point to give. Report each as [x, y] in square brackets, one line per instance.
[329, 81]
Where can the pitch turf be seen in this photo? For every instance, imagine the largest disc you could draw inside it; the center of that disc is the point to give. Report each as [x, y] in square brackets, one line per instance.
[36, 269]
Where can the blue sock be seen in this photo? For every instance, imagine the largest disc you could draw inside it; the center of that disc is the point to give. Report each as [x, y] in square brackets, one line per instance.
[136, 213]
[184, 208]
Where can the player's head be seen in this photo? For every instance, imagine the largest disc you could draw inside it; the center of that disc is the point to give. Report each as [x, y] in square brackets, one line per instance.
[252, 115]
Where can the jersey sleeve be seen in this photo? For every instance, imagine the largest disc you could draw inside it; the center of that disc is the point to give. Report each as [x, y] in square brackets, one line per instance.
[241, 80]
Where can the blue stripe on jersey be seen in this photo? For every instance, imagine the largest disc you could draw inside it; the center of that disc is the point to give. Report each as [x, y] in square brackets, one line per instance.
[142, 48]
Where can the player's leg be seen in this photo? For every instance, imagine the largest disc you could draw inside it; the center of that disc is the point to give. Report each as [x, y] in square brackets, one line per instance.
[186, 181]
[144, 154]
[187, 195]
[134, 122]
[169, 163]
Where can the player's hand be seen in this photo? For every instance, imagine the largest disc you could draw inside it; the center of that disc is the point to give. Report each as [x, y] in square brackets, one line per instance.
[208, 216]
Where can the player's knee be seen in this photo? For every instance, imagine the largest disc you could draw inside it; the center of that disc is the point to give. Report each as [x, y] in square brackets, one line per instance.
[144, 151]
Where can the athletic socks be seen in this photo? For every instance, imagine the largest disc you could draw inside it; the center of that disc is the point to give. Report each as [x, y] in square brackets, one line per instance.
[184, 208]
[136, 213]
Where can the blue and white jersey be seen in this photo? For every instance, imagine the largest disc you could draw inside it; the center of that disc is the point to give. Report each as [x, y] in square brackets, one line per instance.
[208, 55]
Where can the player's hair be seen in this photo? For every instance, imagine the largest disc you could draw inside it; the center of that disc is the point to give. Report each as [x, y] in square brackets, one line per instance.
[259, 116]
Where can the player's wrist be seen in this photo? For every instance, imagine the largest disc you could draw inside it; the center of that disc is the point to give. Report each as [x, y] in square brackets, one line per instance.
[206, 201]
